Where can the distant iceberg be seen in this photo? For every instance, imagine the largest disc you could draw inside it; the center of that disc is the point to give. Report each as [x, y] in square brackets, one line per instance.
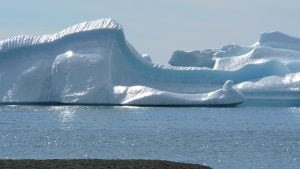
[93, 63]
[194, 58]
[267, 70]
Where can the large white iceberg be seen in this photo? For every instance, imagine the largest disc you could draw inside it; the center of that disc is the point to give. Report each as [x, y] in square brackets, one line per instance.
[92, 63]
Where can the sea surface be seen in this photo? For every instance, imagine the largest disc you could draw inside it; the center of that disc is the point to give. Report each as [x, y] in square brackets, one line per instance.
[235, 138]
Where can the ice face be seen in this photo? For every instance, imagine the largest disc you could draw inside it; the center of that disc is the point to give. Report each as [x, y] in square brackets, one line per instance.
[81, 78]
[92, 63]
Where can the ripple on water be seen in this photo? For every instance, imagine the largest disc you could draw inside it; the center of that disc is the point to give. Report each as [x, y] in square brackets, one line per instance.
[245, 137]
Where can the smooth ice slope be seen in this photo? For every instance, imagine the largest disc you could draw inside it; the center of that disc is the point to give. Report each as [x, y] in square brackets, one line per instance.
[92, 63]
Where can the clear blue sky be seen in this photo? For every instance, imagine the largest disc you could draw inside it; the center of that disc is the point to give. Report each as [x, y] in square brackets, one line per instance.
[158, 27]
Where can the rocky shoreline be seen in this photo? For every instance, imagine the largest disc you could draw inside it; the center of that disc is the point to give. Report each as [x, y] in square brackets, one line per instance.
[96, 164]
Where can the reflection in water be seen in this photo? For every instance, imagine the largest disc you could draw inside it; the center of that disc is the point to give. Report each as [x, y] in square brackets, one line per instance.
[66, 114]
[131, 109]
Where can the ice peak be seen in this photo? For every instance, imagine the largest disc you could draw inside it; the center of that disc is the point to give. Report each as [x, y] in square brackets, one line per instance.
[25, 40]
[106, 23]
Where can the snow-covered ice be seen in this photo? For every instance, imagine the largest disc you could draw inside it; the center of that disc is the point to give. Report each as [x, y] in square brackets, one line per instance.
[93, 63]
[269, 68]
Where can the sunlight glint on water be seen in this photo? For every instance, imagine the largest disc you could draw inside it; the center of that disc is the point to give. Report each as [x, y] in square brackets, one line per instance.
[245, 137]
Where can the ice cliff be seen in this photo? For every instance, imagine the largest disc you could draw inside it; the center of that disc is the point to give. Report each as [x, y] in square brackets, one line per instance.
[92, 63]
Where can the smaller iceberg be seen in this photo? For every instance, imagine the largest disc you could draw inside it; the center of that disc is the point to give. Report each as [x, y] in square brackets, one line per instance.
[206, 57]
[267, 72]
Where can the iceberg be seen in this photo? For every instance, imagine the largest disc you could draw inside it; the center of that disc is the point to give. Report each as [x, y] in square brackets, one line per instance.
[93, 63]
[267, 70]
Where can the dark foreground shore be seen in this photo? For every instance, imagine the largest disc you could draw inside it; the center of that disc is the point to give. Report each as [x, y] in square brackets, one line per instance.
[95, 164]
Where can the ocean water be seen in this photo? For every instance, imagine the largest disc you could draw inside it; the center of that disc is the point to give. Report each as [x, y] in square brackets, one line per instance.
[235, 138]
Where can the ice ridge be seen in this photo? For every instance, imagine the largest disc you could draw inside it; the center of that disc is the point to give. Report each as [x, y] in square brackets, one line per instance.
[26, 40]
